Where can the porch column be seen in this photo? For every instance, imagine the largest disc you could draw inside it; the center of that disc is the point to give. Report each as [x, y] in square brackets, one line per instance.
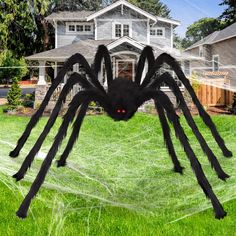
[41, 87]
[42, 80]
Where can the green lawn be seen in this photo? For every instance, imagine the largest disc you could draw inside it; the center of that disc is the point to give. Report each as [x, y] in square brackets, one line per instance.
[118, 182]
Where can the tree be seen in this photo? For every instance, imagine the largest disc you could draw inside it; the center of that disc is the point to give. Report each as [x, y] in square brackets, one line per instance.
[200, 29]
[74, 5]
[19, 27]
[229, 14]
[12, 67]
[155, 7]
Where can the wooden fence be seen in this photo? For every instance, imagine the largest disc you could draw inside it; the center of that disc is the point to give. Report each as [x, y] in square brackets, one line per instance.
[211, 93]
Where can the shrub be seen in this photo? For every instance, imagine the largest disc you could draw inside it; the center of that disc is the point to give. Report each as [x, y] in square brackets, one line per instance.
[28, 100]
[14, 94]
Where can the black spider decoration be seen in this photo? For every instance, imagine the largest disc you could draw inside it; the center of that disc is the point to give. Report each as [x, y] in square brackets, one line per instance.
[121, 101]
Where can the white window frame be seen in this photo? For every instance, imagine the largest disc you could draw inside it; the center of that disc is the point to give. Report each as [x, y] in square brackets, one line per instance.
[79, 32]
[157, 28]
[201, 52]
[213, 60]
[122, 29]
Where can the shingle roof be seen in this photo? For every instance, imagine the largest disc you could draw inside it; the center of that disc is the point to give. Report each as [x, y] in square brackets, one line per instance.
[69, 15]
[87, 48]
[217, 36]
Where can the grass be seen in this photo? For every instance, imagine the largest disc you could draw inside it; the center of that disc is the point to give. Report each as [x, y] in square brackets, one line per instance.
[118, 182]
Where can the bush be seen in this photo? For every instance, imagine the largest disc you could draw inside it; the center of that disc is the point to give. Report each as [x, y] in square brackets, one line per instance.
[14, 94]
[28, 100]
[233, 109]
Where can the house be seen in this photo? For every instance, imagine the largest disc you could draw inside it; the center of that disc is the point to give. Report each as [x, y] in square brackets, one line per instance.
[124, 28]
[217, 66]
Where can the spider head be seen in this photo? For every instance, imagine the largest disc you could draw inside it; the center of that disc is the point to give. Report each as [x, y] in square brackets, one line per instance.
[123, 95]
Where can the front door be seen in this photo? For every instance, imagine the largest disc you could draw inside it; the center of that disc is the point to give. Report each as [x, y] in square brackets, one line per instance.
[125, 69]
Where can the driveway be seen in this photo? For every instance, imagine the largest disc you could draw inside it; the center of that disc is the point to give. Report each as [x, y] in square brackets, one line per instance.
[4, 91]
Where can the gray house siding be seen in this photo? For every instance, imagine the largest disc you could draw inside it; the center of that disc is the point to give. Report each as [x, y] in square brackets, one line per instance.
[162, 41]
[67, 38]
[227, 58]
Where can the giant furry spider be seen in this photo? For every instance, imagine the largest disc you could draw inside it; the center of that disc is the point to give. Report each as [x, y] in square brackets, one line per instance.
[121, 100]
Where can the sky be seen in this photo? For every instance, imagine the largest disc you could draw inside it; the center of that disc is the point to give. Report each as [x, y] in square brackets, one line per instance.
[189, 11]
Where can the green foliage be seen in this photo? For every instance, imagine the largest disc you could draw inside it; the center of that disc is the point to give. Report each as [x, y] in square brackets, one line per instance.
[200, 29]
[14, 94]
[21, 26]
[28, 100]
[229, 14]
[233, 108]
[154, 7]
[74, 5]
[9, 60]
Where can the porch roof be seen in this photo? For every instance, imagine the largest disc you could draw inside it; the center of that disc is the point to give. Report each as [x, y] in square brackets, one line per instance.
[88, 48]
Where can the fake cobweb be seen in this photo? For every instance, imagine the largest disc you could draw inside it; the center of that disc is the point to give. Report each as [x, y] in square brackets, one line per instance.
[125, 165]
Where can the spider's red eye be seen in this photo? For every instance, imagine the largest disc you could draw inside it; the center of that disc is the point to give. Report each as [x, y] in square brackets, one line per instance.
[118, 111]
[123, 111]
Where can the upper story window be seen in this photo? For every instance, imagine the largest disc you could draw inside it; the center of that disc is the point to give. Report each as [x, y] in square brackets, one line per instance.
[215, 62]
[80, 28]
[120, 30]
[157, 32]
[71, 28]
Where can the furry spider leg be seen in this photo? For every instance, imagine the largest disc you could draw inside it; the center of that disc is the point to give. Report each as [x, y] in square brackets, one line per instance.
[165, 58]
[146, 54]
[195, 164]
[168, 79]
[80, 98]
[74, 78]
[102, 53]
[74, 135]
[167, 138]
[76, 58]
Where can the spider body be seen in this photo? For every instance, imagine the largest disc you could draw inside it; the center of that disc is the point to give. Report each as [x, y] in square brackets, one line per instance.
[121, 101]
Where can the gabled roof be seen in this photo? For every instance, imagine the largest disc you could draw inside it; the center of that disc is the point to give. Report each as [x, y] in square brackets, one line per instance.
[216, 37]
[118, 3]
[125, 39]
[90, 15]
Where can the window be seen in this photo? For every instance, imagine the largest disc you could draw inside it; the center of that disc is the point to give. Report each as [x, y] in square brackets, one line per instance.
[79, 28]
[122, 30]
[152, 32]
[157, 32]
[82, 28]
[201, 51]
[215, 63]
[118, 30]
[71, 28]
[187, 68]
[125, 30]
[87, 28]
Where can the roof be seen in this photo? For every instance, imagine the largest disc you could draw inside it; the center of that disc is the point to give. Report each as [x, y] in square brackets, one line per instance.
[88, 48]
[217, 36]
[90, 15]
[69, 15]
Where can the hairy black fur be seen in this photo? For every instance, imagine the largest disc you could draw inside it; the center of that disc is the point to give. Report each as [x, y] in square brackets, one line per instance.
[121, 100]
